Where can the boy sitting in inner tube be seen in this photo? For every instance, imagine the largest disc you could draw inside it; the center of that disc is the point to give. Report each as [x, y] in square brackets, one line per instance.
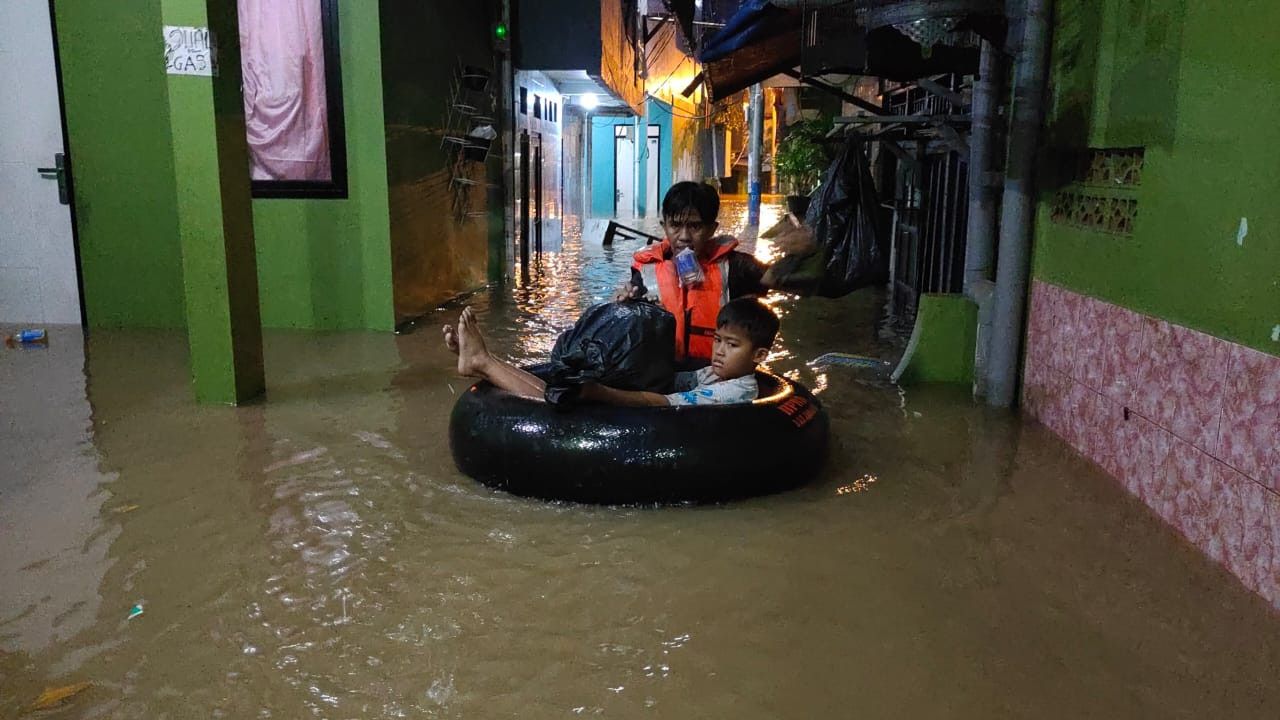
[693, 272]
[744, 330]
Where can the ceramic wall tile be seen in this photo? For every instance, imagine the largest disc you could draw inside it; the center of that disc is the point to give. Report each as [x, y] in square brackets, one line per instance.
[1200, 443]
[1258, 548]
[1249, 437]
[1200, 366]
[1223, 504]
[1124, 356]
[1189, 479]
[1154, 447]
[1100, 431]
[1090, 328]
[1270, 583]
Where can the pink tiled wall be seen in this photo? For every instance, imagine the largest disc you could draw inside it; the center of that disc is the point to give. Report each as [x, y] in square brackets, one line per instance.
[1187, 422]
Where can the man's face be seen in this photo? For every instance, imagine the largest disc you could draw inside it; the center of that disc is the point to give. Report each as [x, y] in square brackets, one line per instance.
[688, 230]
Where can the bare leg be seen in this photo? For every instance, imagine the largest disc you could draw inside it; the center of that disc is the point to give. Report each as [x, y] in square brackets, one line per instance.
[474, 360]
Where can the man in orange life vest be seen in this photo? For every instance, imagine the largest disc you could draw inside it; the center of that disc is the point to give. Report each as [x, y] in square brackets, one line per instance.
[689, 213]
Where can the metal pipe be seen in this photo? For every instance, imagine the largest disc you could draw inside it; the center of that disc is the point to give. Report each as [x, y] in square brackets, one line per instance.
[755, 147]
[980, 234]
[524, 204]
[1018, 214]
[537, 196]
[498, 265]
[586, 169]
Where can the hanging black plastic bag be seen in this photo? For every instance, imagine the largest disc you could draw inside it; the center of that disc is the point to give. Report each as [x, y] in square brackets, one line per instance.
[844, 215]
[626, 345]
[843, 219]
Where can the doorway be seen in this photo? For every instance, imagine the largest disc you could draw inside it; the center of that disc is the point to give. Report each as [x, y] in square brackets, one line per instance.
[624, 160]
[38, 276]
[653, 164]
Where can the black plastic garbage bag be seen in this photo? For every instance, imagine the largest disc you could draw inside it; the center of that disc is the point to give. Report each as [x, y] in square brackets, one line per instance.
[843, 214]
[627, 346]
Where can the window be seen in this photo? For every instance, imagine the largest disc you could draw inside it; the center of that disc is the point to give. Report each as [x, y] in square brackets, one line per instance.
[537, 106]
[293, 98]
[524, 101]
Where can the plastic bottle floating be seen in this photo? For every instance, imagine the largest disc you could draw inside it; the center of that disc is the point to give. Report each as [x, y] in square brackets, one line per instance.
[29, 336]
[848, 360]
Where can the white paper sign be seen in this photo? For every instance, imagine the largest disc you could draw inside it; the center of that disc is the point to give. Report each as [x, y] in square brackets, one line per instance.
[190, 51]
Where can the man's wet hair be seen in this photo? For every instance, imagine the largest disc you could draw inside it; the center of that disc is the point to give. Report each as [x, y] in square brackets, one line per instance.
[752, 317]
[689, 195]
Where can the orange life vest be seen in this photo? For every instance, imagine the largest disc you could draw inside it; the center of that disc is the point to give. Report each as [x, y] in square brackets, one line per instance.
[695, 308]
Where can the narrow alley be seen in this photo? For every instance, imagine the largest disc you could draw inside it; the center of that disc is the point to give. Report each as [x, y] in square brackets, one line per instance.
[1051, 486]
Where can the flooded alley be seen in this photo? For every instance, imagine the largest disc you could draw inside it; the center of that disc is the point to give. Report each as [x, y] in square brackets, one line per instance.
[317, 555]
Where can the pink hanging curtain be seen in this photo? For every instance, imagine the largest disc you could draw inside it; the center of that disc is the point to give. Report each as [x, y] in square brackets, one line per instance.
[282, 57]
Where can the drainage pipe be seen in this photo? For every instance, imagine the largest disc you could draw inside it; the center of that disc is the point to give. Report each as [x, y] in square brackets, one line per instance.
[1018, 213]
[981, 231]
[755, 150]
[983, 202]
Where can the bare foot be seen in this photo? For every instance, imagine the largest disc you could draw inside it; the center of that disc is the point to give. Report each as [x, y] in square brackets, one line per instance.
[450, 338]
[472, 353]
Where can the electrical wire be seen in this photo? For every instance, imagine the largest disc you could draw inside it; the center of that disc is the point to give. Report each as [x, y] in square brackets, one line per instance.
[678, 114]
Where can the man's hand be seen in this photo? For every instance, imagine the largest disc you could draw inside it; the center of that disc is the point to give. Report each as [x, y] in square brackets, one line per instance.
[797, 239]
[626, 292]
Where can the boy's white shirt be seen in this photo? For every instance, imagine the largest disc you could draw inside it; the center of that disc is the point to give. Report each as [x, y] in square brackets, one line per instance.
[703, 387]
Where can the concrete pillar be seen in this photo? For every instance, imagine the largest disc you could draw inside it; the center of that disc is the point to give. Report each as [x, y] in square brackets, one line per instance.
[215, 214]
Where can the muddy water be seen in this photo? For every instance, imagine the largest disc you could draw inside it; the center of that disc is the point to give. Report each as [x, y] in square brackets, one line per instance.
[318, 556]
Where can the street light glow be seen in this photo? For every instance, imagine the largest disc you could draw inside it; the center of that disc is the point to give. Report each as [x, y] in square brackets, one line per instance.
[589, 101]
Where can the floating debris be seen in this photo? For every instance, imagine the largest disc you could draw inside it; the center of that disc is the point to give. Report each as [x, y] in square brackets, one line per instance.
[848, 360]
[53, 697]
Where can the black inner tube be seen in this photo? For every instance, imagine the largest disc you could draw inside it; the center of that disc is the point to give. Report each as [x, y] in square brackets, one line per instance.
[614, 455]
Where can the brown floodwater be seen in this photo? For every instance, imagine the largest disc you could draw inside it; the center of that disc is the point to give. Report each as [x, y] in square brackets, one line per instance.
[317, 554]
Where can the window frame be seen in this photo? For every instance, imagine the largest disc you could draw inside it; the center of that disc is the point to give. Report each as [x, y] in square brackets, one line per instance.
[336, 187]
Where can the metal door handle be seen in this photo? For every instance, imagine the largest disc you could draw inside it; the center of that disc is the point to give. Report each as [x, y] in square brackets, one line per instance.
[59, 171]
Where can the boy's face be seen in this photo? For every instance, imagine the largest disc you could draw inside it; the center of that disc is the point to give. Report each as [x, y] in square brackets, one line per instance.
[732, 355]
[688, 230]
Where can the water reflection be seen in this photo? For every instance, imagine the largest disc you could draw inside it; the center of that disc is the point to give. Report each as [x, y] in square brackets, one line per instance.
[318, 555]
[57, 520]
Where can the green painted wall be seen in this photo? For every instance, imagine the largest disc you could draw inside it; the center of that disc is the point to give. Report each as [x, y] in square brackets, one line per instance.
[322, 264]
[1196, 84]
[435, 254]
[325, 264]
[120, 146]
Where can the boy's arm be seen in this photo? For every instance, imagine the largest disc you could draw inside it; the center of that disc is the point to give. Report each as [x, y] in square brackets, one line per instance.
[628, 398]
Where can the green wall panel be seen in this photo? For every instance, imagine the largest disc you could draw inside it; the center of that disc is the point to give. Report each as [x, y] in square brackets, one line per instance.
[120, 146]
[1195, 84]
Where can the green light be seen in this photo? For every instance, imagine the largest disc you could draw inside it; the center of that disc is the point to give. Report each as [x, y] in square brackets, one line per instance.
[500, 31]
